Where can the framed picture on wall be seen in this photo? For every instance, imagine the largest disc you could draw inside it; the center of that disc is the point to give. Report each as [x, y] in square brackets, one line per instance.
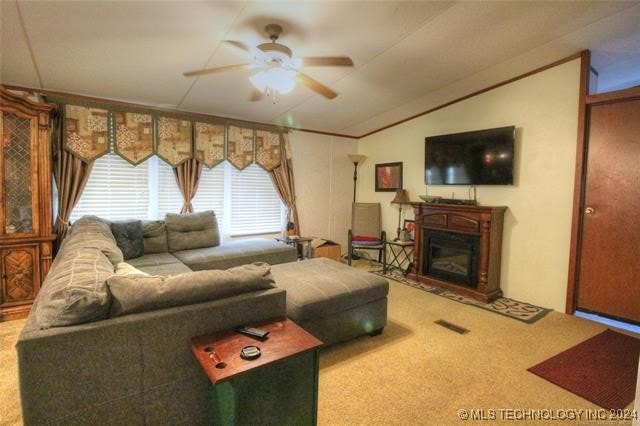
[388, 177]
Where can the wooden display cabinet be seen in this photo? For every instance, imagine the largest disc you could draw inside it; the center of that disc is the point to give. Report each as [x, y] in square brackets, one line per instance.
[26, 232]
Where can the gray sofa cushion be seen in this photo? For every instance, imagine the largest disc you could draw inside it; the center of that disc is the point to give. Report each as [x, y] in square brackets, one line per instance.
[101, 240]
[133, 294]
[236, 253]
[322, 287]
[75, 291]
[159, 264]
[128, 236]
[192, 231]
[155, 236]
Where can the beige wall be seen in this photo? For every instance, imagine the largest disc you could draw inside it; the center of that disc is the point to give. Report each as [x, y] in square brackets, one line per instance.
[544, 109]
[324, 184]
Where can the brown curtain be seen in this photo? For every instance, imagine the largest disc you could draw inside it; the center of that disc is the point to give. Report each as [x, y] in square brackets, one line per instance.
[188, 176]
[282, 177]
[71, 175]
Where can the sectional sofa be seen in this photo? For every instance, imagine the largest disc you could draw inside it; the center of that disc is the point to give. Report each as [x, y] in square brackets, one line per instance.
[107, 340]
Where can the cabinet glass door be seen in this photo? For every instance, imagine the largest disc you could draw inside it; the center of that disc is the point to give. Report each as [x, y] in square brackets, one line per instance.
[17, 164]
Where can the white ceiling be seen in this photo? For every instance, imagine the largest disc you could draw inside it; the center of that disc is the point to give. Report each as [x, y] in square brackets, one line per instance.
[409, 56]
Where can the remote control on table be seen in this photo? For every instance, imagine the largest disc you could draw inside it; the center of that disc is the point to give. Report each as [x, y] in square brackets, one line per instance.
[253, 332]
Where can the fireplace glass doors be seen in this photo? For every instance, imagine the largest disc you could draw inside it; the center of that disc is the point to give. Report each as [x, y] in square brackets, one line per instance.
[451, 257]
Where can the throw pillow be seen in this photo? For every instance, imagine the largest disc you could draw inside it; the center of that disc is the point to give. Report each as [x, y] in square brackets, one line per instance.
[155, 236]
[123, 268]
[132, 294]
[75, 290]
[129, 238]
[192, 231]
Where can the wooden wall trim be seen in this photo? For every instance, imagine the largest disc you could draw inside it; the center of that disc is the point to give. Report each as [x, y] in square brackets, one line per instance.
[579, 184]
[211, 116]
[604, 98]
[479, 92]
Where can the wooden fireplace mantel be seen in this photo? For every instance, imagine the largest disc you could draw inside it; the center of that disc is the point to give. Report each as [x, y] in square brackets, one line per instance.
[483, 221]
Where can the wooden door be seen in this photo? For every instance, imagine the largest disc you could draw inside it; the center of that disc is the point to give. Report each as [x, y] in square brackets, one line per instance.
[609, 272]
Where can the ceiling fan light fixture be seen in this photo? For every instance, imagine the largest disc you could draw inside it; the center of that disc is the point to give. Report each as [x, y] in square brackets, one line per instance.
[276, 79]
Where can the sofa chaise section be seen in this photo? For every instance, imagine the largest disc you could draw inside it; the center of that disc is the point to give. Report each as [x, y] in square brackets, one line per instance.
[331, 300]
[236, 253]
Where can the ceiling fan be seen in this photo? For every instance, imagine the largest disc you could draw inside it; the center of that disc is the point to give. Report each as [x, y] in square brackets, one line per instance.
[279, 70]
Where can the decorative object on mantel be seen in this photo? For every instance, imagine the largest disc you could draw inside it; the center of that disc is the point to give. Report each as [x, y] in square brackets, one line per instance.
[356, 159]
[86, 131]
[174, 140]
[402, 197]
[388, 177]
[133, 136]
[510, 308]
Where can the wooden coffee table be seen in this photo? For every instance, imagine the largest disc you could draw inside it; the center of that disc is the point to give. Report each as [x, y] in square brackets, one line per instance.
[280, 387]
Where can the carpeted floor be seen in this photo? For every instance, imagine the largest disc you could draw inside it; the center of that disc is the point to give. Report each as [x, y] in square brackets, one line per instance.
[417, 372]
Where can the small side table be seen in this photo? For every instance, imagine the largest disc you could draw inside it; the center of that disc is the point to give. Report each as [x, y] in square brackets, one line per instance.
[302, 244]
[280, 387]
[401, 252]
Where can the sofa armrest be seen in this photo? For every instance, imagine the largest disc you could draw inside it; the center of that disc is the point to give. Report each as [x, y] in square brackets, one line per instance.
[135, 369]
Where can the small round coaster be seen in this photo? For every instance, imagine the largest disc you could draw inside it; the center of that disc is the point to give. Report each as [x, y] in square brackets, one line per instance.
[250, 352]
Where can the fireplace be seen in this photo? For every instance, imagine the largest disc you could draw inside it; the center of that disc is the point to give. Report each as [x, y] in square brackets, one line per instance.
[451, 257]
[458, 247]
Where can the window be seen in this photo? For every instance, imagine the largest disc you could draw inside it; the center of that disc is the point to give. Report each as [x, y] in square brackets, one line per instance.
[245, 202]
[255, 203]
[116, 190]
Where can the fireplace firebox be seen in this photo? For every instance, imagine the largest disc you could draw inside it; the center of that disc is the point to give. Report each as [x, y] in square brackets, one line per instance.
[458, 248]
[452, 257]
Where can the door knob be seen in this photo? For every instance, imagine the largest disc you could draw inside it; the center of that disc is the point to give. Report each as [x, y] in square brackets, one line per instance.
[589, 210]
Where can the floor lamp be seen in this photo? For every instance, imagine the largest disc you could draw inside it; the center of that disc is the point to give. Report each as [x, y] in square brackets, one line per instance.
[402, 197]
[356, 159]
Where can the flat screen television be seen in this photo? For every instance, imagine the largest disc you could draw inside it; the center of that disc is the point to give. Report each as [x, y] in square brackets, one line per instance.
[481, 157]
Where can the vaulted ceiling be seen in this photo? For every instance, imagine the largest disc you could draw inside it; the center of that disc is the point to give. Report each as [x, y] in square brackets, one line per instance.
[408, 56]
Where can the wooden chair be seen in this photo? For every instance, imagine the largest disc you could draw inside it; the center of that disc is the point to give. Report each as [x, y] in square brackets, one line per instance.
[366, 231]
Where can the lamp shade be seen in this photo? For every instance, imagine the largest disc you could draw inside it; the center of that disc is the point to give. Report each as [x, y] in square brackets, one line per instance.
[357, 158]
[402, 197]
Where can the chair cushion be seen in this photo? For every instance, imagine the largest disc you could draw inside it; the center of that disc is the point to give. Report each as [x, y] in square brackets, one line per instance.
[192, 231]
[132, 294]
[129, 238]
[155, 236]
[321, 287]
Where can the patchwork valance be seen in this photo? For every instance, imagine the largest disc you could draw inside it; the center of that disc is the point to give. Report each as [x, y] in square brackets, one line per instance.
[268, 150]
[138, 133]
[133, 136]
[174, 140]
[240, 146]
[209, 141]
[86, 131]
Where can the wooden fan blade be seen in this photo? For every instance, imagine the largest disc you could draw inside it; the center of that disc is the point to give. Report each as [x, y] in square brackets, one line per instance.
[338, 61]
[256, 96]
[240, 45]
[316, 86]
[218, 69]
